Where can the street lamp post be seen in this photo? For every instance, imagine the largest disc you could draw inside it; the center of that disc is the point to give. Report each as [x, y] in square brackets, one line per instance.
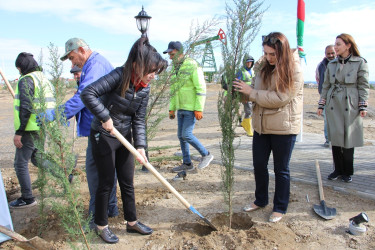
[143, 21]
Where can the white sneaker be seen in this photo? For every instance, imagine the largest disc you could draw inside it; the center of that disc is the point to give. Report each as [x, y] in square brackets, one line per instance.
[205, 161]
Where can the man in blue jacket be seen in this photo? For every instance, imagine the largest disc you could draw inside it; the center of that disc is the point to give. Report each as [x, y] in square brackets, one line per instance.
[330, 54]
[93, 67]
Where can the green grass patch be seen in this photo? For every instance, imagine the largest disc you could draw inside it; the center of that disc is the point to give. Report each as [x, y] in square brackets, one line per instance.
[165, 158]
[162, 147]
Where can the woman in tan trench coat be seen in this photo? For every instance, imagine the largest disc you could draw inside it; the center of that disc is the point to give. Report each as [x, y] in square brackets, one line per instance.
[344, 96]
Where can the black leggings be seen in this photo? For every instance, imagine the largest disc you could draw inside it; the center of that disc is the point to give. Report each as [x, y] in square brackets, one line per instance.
[110, 156]
[343, 159]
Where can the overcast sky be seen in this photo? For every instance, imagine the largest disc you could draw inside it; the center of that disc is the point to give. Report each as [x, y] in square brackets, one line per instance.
[109, 27]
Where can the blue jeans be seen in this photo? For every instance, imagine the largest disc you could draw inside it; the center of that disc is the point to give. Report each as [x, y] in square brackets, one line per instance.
[186, 121]
[93, 182]
[281, 147]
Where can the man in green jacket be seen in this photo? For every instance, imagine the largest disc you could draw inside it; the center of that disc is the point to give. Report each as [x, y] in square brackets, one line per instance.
[188, 95]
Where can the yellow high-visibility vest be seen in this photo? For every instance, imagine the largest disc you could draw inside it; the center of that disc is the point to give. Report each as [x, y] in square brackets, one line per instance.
[246, 76]
[42, 89]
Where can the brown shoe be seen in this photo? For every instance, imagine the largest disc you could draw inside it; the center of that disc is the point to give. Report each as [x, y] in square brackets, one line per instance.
[138, 227]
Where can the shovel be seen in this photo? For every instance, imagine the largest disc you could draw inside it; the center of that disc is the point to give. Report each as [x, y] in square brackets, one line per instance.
[160, 177]
[322, 210]
[22, 242]
[7, 83]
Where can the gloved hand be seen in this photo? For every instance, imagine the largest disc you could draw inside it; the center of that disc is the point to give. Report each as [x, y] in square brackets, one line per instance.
[45, 117]
[198, 115]
[171, 114]
[61, 111]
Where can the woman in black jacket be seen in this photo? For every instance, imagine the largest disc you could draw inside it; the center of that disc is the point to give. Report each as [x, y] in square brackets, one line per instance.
[119, 100]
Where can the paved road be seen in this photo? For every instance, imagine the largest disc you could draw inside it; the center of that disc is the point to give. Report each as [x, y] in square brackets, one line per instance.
[302, 165]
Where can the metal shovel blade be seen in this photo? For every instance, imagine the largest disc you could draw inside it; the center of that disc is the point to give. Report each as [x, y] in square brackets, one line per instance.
[325, 212]
[322, 210]
[192, 209]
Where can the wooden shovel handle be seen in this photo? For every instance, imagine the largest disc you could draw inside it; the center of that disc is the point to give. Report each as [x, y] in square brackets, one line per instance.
[23, 243]
[150, 167]
[318, 175]
[12, 234]
[7, 83]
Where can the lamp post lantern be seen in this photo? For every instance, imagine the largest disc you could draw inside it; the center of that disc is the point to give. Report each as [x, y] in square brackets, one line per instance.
[143, 21]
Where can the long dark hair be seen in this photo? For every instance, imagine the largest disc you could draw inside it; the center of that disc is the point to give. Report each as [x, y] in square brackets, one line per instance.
[348, 39]
[143, 59]
[284, 66]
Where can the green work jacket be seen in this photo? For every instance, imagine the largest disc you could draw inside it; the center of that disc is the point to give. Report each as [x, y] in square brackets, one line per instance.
[188, 88]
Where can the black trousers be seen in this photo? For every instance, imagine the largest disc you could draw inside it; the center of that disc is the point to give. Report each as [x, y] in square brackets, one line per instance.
[343, 159]
[110, 156]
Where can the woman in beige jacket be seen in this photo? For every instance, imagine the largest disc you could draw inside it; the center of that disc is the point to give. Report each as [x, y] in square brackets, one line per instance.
[277, 108]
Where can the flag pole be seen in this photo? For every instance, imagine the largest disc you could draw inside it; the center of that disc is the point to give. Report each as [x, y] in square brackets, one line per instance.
[301, 52]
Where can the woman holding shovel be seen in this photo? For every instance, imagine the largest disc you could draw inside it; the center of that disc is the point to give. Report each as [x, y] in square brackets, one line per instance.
[119, 100]
[277, 99]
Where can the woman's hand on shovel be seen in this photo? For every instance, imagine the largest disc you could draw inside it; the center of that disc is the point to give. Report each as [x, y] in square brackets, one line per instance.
[108, 126]
[143, 154]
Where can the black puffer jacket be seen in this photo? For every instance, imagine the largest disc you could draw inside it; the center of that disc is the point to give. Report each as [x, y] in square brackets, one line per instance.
[128, 114]
[25, 91]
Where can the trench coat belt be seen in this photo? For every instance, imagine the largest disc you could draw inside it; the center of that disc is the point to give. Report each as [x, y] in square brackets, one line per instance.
[339, 87]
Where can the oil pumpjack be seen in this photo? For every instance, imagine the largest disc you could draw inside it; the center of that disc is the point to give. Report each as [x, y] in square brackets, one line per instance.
[208, 61]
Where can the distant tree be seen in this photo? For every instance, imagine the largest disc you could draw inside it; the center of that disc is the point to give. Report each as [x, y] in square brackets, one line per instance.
[243, 19]
[40, 58]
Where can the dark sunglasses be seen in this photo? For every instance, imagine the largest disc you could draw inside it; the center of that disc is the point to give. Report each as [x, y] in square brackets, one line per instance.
[271, 39]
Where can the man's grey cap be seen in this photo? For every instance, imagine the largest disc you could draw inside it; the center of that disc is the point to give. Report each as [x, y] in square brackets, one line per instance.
[75, 69]
[72, 44]
[174, 45]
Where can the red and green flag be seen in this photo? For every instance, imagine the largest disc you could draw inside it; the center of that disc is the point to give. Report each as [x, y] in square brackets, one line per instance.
[300, 27]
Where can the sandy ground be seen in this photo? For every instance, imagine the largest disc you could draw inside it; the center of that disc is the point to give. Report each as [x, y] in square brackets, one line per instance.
[176, 228]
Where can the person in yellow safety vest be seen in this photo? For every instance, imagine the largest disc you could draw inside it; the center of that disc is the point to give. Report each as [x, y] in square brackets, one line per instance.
[31, 86]
[246, 74]
[188, 95]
